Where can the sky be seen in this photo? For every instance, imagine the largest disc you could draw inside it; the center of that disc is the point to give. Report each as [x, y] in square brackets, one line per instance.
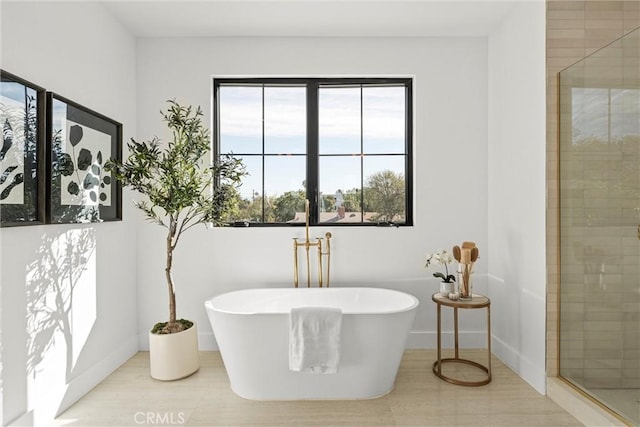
[341, 129]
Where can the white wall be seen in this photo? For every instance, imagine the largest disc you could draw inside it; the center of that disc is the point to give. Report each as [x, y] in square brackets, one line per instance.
[78, 51]
[475, 179]
[450, 170]
[516, 190]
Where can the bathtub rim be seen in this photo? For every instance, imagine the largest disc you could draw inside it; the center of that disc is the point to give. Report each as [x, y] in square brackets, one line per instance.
[414, 304]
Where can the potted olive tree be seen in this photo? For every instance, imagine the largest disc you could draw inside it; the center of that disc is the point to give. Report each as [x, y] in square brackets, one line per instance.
[180, 193]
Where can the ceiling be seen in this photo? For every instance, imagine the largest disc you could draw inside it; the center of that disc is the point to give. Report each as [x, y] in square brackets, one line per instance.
[309, 18]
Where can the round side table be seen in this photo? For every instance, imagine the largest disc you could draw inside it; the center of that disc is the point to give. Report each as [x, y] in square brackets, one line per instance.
[476, 301]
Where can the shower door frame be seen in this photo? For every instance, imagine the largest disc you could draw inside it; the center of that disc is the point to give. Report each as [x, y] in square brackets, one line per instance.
[581, 389]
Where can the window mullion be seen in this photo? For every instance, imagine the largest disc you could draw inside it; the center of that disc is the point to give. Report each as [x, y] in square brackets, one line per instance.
[361, 155]
[264, 198]
[313, 193]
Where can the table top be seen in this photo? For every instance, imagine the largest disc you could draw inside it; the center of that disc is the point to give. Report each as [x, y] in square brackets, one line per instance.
[476, 301]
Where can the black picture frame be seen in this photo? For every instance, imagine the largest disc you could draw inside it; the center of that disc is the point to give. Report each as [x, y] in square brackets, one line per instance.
[80, 141]
[22, 152]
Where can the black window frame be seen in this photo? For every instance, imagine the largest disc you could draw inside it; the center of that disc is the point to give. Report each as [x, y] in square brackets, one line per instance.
[313, 85]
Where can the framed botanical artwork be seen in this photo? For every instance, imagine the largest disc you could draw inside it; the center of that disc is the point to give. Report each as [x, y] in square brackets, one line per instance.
[22, 153]
[81, 141]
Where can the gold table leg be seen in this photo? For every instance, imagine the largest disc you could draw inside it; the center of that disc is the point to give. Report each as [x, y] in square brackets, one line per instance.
[489, 341]
[437, 365]
[439, 362]
[455, 330]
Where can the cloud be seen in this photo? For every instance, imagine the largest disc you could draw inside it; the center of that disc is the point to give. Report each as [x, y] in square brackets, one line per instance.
[383, 112]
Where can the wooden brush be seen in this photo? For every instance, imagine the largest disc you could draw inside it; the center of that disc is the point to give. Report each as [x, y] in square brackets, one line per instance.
[456, 253]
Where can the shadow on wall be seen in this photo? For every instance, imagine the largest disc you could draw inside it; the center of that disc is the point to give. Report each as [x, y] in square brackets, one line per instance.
[60, 314]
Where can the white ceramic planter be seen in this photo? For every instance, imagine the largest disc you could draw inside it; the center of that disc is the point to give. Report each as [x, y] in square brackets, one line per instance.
[174, 356]
[446, 288]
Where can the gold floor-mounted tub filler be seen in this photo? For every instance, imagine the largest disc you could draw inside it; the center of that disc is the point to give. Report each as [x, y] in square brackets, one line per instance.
[307, 245]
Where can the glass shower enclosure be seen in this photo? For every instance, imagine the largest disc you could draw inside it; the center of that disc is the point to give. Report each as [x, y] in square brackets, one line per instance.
[599, 175]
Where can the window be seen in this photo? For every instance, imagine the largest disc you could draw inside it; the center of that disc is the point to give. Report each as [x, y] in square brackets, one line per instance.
[343, 144]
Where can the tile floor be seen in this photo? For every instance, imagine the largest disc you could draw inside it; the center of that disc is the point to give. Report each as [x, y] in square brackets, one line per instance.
[129, 397]
[624, 401]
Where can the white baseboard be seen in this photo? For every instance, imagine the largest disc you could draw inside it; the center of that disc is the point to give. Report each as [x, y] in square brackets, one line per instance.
[207, 342]
[84, 382]
[429, 339]
[415, 340]
[535, 376]
[79, 386]
[25, 420]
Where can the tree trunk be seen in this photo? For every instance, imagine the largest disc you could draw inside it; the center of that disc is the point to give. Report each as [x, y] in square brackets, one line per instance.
[172, 325]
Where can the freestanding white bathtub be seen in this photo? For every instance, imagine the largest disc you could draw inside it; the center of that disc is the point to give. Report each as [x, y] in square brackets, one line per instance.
[252, 330]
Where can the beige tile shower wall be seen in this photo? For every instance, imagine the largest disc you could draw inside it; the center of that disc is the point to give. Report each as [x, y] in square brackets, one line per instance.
[576, 29]
[599, 213]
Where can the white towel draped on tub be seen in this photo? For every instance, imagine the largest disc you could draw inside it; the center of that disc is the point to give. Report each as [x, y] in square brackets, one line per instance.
[314, 339]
